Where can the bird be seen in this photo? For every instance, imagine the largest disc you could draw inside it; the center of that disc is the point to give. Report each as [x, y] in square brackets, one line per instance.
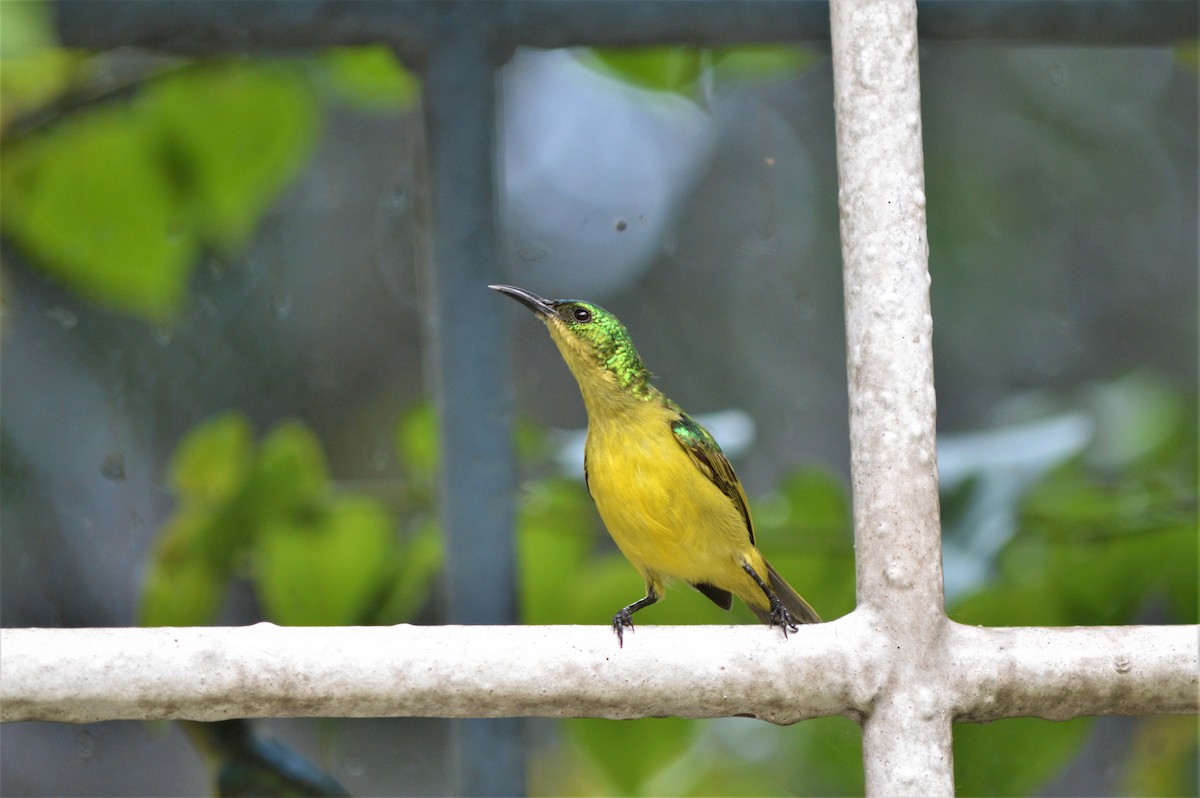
[664, 489]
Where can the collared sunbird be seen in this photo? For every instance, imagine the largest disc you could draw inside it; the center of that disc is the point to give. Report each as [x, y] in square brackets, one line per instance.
[663, 487]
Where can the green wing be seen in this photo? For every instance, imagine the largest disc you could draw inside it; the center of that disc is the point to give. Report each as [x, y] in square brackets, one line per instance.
[711, 461]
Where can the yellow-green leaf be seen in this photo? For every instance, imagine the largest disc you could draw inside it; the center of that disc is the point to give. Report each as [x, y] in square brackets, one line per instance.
[328, 569]
[213, 460]
[673, 69]
[630, 752]
[371, 77]
[236, 133]
[762, 61]
[291, 469]
[420, 563]
[417, 441]
[183, 587]
[91, 204]
[32, 70]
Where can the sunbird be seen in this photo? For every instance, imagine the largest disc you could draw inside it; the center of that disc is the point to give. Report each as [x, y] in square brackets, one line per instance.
[664, 488]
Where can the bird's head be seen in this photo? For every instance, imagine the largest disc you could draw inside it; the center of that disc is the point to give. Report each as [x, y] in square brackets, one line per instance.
[594, 343]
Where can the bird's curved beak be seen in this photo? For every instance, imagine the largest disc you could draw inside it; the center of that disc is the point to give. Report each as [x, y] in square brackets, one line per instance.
[540, 306]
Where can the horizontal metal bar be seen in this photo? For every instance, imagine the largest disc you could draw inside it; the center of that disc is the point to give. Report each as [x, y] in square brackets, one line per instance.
[214, 673]
[413, 27]
[1065, 672]
[87, 675]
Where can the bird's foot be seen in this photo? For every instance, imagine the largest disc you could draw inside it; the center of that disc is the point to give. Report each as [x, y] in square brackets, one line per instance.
[781, 616]
[625, 616]
[779, 613]
[620, 621]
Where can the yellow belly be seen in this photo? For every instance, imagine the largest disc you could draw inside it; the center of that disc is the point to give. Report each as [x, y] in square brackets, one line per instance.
[666, 516]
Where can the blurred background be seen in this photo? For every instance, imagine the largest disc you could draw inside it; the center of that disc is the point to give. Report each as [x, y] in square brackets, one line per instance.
[214, 409]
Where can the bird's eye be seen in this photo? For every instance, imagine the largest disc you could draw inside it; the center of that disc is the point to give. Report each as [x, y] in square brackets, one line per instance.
[581, 315]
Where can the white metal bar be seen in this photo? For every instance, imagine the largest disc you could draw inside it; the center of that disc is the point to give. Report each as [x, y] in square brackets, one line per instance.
[889, 356]
[889, 359]
[1062, 673]
[87, 675]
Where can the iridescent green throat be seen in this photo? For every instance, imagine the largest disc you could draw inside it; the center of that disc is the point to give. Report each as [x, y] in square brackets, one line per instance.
[624, 363]
[614, 351]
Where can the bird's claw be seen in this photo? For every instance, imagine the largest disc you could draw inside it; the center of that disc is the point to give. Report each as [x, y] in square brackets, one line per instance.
[620, 621]
[781, 616]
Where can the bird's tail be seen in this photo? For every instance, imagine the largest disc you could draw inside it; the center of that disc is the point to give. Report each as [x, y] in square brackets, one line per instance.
[795, 604]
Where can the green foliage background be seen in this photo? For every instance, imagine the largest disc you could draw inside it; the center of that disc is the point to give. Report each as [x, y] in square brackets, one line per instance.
[1101, 540]
[115, 197]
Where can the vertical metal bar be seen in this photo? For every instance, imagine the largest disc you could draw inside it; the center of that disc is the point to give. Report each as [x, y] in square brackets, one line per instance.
[885, 252]
[468, 369]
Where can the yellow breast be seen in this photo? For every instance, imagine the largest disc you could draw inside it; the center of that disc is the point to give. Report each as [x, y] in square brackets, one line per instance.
[664, 514]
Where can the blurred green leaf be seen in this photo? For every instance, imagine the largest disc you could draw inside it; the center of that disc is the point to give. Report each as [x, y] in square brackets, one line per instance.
[629, 752]
[183, 587]
[417, 441]
[420, 563]
[1109, 581]
[195, 553]
[698, 772]
[806, 531]
[810, 511]
[370, 77]
[1023, 604]
[211, 470]
[291, 473]
[1135, 415]
[555, 534]
[315, 555]
[671, 69]
[89, 200]
[1163, 757]
[756, 62]
[679, 69]
[824, 757]
[1015, 756]
[115, 201]
[32, 70]
[232, 134]
[212, 461]
[325, 569]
